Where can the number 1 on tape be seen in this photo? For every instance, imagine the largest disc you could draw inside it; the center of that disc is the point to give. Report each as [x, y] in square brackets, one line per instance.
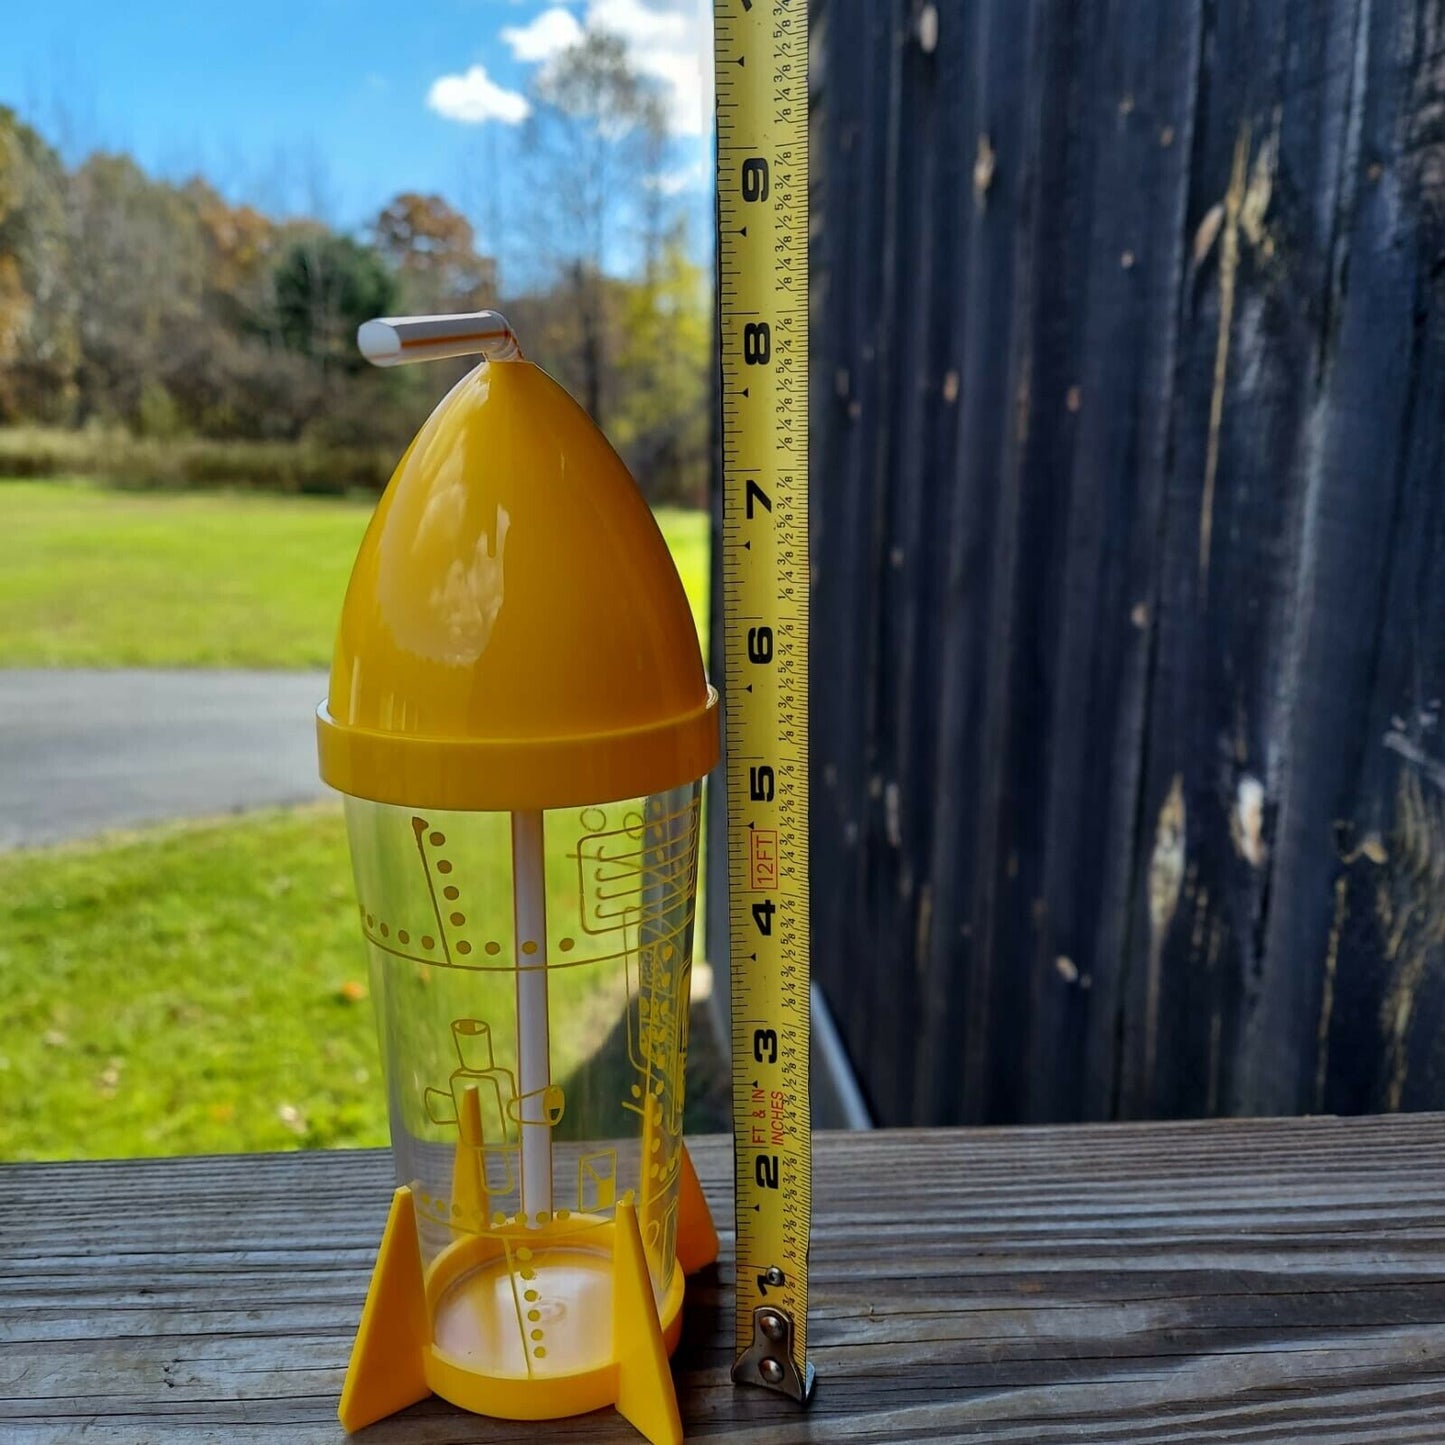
[761, 56]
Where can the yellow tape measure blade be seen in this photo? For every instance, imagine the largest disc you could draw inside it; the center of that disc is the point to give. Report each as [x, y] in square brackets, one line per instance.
[761, 55]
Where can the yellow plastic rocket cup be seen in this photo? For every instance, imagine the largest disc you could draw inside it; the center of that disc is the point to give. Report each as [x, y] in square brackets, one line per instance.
[519, 719]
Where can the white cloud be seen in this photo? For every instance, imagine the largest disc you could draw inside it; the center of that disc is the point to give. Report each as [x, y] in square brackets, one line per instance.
[668, 41]
[687, 178]
[545, 36]
[672, 44]
[639, 22]
[475, 97]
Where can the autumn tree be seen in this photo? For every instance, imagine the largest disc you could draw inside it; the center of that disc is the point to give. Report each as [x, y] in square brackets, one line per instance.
[432, 248]
[168, 309]
[326, 286]
[593, 140]
[239, 379]
[137, 274]
[664, 366]
[39, 345]
[242, 246]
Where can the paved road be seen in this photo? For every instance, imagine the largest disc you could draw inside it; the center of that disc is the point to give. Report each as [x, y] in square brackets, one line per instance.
[82, 751]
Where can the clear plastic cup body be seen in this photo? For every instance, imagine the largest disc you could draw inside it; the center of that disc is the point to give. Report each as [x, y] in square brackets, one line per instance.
[531, 974]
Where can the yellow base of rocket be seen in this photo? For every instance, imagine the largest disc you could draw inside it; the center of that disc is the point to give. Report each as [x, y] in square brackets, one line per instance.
[461, 1330]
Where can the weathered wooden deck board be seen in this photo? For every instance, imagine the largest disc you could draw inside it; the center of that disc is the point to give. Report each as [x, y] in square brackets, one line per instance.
[1226, 1281]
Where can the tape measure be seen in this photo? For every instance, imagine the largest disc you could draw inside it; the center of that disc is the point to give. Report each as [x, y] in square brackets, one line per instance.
[761, 58]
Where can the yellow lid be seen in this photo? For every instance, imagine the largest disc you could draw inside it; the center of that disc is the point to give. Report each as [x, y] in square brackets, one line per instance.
[515, 634]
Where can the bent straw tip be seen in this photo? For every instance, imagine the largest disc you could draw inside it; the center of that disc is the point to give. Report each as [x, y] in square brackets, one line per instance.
[379, 342]
[397, 340]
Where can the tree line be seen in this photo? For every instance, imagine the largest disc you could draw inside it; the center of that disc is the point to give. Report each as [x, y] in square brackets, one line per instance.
[162, 310]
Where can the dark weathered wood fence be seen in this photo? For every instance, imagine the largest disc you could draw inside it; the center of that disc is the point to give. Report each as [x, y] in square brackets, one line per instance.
[1129, 548]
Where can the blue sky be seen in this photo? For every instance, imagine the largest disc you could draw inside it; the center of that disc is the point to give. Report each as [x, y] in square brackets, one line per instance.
[333, 106]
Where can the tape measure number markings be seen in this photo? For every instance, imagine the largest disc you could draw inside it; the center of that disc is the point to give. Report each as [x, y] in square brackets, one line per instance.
[762, 116]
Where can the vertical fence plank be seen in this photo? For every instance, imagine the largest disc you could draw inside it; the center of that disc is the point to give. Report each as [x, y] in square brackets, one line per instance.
[1136, 109]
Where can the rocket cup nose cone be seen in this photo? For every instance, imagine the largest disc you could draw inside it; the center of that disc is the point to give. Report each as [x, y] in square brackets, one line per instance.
[515, 633]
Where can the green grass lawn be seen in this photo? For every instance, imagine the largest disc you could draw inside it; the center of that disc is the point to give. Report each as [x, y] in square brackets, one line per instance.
[197, 987]
[188, 988]
[203, 988]
[101, 578]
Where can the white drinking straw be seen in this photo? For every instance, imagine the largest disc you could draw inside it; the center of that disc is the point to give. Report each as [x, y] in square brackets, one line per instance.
[399, 340]
[534, 1060]
[396, 341]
